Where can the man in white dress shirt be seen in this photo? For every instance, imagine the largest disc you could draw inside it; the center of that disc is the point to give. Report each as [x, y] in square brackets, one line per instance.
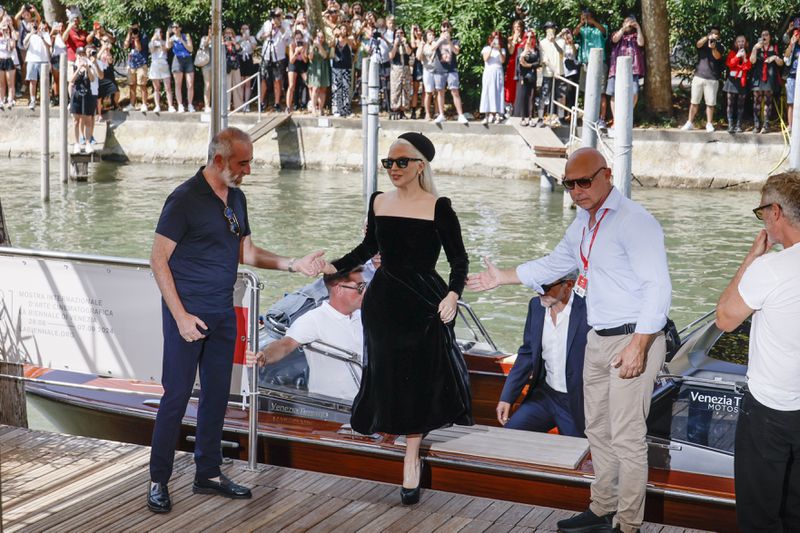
[337, 323]
[618, 248]
[766, 464]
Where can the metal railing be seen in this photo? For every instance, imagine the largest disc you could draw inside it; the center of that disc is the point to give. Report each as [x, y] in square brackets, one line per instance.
[256, 98]
[574, 111]
[250, 279]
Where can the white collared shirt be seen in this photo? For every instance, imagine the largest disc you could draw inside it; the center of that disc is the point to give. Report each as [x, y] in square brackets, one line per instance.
[628, 277]
[554, 347]
[327, 375]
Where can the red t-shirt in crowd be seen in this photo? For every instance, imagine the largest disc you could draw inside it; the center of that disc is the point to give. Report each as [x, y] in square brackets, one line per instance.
[75, 39]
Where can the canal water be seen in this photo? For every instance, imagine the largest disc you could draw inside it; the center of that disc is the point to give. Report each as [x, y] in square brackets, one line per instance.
[707, 232]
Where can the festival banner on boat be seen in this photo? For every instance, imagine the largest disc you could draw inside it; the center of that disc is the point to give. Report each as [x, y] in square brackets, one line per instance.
[95, 317]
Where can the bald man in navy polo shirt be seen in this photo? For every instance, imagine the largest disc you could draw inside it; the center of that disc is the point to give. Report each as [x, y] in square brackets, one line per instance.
[202, 236]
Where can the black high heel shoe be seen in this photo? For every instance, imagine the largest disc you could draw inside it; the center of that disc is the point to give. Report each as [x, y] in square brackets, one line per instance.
[411, 496]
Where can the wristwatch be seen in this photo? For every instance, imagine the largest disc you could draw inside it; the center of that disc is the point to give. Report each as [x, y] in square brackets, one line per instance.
[290, 268]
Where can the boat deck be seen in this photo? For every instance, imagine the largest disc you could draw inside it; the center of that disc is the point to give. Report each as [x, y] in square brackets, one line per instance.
[51, 481]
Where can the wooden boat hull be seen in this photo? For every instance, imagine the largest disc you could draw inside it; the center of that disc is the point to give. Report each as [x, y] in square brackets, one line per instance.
[676, 498]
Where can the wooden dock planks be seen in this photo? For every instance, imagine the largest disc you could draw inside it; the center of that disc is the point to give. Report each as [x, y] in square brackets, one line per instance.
[65, 483]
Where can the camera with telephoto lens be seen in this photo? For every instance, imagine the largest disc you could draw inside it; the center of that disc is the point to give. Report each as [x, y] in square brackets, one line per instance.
[376, 34]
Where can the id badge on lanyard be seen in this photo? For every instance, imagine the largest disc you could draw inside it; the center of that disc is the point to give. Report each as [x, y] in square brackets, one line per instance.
[582, 283]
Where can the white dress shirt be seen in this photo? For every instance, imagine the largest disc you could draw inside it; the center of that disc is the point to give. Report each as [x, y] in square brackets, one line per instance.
[628, 278]
[554, 347]
[327, 375]
[275, 42]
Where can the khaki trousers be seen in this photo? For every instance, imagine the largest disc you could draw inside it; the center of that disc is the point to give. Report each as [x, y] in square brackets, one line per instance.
[616, 413]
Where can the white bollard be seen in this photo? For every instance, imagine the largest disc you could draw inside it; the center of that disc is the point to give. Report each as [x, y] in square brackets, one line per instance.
[372, 128]
[794, 153]
[591, 97]
[623, 124]
[63, 115]
[44, 114]
[364, 113]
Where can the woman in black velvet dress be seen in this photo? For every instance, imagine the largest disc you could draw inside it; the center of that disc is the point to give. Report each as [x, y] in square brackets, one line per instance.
[415, 379]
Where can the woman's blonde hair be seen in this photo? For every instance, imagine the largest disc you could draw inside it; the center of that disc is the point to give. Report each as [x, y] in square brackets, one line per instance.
[426, 178]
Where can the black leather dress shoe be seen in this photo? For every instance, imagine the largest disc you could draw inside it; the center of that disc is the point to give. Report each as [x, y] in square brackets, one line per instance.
[586, 522]
[223, 487]
[158, 499]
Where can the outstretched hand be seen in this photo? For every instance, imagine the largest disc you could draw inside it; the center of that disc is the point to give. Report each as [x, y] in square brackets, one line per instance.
[486, 280]
[312, 264]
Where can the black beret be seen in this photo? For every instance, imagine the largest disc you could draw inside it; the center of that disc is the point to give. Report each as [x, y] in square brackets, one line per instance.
[421, 143]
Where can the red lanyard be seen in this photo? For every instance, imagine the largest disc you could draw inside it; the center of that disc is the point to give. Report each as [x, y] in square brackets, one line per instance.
[585, 259]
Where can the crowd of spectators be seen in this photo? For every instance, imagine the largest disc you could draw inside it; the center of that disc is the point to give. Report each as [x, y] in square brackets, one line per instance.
[533, 74]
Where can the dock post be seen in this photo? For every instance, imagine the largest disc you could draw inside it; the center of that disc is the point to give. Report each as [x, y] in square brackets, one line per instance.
[372, 129]
[215, 122]
[591, 98]
[364, 114]
[794, 151]
[63, 116]
[13, 411]
[44, 114]
[623, 124]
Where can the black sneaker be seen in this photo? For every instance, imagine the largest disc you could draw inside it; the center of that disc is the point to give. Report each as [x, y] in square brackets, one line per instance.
[586, 522]
[277, 108]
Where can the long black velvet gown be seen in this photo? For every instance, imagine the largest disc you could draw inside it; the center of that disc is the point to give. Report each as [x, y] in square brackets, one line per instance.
[415, 379]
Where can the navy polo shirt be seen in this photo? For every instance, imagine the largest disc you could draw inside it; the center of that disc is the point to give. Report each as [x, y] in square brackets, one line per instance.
[206, 258]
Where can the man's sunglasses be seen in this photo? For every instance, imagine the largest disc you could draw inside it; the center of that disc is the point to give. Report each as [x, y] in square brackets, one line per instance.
[583, 183]
[359, 288]
[759, 211]
[546, 288]
[233, 222]
[402, 162]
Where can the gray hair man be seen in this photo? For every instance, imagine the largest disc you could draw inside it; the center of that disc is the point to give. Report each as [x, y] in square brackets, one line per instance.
[202, 236]
[768, 430]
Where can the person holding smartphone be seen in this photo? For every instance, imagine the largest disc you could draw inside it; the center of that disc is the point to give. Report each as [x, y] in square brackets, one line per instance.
[182, 65]
[766, 60]
[627, 41]
[446, 78]
[137, 66]
[492, 87]
[705, 82]
[159, 70]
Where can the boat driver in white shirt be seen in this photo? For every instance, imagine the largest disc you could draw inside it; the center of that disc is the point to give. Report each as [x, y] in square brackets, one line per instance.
[766, 461]
[336, 323]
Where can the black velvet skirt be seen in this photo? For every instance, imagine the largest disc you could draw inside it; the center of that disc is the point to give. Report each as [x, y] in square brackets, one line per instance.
[415, 379]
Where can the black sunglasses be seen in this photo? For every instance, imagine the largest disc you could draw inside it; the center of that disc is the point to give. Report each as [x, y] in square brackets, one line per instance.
[759, 211]
[546, 288]
[402, 162]
[583, 183]
[359, 288]
[233, 222]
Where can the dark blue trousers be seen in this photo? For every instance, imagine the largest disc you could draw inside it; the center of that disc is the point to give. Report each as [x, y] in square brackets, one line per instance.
[213, 355]
[542, 410]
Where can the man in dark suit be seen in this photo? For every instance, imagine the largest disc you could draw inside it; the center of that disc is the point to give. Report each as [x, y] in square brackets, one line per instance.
[551, 360]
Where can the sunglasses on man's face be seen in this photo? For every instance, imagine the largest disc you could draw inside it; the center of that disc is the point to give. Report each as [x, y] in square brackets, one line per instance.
[359, 287]
[583, 183]
[759, 211]
[402, 162]
[233, 222]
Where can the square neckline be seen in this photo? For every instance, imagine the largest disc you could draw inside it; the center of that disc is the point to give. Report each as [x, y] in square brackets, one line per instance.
[376, 215]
